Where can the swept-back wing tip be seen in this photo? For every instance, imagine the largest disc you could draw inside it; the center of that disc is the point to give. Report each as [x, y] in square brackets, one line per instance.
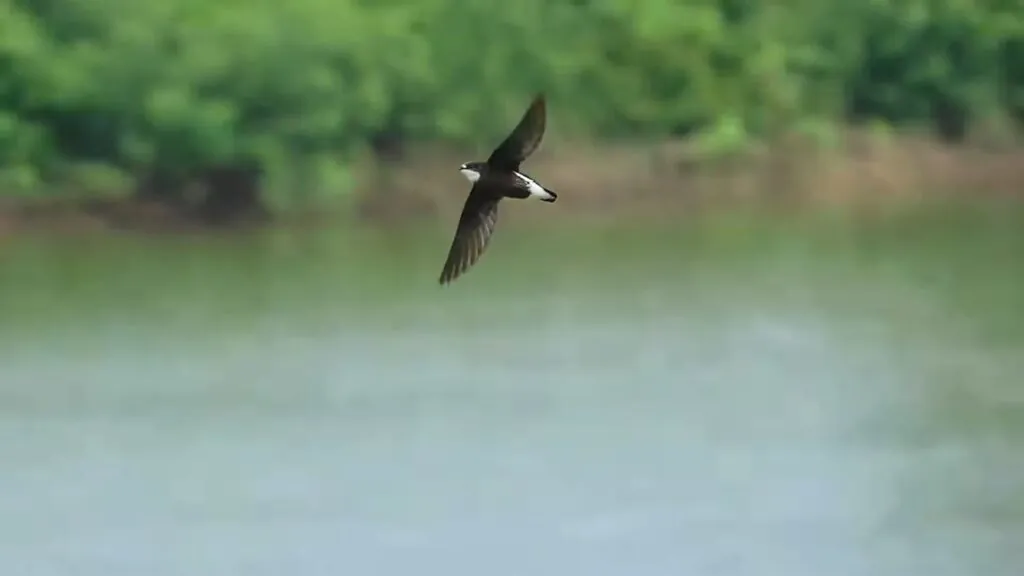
[472, 235]
[539, 102]
[524, 138]
[451, 273]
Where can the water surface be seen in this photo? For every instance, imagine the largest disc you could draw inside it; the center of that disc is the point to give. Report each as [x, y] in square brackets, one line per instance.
[743, 396]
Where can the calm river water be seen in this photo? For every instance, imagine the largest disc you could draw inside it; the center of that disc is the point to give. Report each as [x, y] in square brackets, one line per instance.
[738, 396]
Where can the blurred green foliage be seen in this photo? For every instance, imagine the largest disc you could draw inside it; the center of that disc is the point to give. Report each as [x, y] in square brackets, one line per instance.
[298, 87]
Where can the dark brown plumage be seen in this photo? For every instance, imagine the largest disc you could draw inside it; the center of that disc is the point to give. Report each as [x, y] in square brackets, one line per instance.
[473, 234]
[499, 177]
[524, 139]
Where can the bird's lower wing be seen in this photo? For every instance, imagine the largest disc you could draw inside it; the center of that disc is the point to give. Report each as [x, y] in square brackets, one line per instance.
[476, 224]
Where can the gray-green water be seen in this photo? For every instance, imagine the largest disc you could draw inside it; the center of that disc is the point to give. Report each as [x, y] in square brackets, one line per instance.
[747, 396]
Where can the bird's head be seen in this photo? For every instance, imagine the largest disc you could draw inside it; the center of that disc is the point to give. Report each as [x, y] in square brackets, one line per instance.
[472, 170]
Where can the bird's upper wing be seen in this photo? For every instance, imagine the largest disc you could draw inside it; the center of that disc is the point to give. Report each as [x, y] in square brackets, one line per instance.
[524, 139]
[476, 224]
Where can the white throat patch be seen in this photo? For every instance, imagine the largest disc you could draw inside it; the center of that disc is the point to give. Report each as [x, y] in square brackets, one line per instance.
[471, 175]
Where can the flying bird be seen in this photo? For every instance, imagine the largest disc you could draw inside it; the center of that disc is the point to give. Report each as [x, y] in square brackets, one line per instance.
[499, 177]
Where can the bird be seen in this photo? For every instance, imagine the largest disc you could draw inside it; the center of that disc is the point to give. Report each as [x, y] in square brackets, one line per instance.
[496, 178]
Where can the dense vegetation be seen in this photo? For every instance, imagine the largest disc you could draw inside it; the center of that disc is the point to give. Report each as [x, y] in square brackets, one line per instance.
[90, 89]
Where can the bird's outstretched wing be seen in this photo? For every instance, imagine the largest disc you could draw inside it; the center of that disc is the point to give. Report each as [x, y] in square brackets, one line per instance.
[476, 224]
[524, 139]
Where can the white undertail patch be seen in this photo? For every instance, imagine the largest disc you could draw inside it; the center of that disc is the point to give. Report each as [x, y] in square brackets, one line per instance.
[536, 190]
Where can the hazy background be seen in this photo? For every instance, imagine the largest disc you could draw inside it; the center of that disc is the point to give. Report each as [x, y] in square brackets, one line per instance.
[773, 325]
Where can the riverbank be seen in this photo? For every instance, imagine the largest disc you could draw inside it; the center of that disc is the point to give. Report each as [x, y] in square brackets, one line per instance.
[667, 180]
